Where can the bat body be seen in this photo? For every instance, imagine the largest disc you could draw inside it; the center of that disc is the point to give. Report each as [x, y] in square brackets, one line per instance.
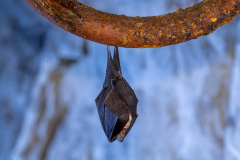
[117, 102]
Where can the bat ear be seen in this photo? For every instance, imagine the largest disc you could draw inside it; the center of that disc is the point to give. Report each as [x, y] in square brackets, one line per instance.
[116, 60]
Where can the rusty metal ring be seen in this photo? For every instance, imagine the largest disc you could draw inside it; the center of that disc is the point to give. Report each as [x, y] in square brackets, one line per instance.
[138, 32]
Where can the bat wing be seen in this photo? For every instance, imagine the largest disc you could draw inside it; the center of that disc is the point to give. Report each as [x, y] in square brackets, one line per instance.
[116, 115]
[127, 94]
[99, 103]
[109, 70]
[129, 98]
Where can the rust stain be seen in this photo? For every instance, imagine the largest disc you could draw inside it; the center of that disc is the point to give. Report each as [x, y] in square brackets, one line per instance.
[139, 24]
[138, 32]
[213, 19]
[125, 40]
[149, 46]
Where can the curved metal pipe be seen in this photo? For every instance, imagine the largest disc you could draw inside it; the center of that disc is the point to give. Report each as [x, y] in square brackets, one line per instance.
[138, 32]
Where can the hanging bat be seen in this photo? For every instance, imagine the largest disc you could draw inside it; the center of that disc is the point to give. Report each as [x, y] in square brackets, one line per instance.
[117, 102]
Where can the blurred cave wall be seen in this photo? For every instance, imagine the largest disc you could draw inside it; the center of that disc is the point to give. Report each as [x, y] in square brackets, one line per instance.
[189, 107]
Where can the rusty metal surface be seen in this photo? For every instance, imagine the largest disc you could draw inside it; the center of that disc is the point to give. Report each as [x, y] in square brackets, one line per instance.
[138, 32]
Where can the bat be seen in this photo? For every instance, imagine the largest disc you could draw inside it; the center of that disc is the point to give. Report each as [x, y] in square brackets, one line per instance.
[117, 102]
